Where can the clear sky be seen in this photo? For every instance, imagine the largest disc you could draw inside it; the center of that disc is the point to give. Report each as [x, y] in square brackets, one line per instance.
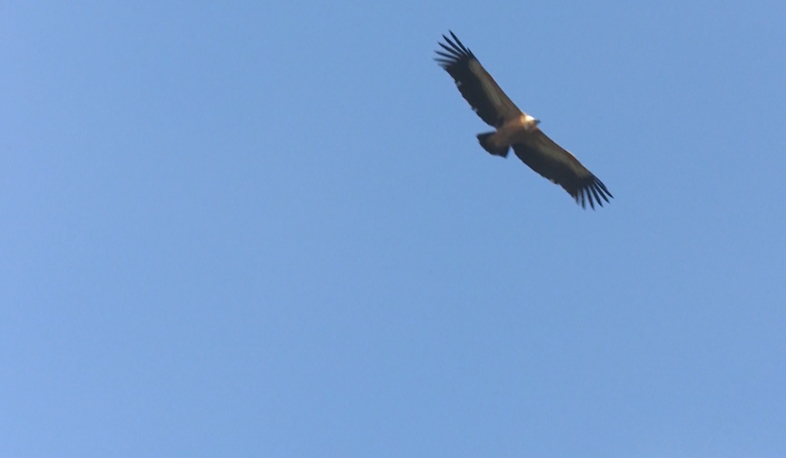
[266, 229]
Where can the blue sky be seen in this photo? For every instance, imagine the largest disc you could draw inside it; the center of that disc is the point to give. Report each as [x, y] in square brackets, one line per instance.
[267, 229]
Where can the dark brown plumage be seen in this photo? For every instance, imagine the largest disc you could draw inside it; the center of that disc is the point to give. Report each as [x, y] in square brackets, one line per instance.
[516, 129]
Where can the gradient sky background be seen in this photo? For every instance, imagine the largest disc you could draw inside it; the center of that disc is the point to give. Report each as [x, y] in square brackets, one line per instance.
[267, 229]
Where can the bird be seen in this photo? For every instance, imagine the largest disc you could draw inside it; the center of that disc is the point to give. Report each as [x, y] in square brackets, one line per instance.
[515, 128]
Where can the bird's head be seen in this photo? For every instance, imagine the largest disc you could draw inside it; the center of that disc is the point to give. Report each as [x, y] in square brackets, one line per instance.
[529, 122]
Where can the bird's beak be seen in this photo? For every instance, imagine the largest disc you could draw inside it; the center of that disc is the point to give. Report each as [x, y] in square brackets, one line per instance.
[537, 122]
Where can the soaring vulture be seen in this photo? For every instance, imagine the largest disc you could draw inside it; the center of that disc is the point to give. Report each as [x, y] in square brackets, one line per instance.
[516, 128]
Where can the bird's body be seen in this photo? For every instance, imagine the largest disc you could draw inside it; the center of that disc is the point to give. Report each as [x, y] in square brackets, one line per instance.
[516, 129]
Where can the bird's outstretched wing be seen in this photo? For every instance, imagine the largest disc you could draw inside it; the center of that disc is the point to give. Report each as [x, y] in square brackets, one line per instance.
[555, 163]
[475, 84]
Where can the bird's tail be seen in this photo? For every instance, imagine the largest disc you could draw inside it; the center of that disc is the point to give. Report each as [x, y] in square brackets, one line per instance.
[487, 142]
